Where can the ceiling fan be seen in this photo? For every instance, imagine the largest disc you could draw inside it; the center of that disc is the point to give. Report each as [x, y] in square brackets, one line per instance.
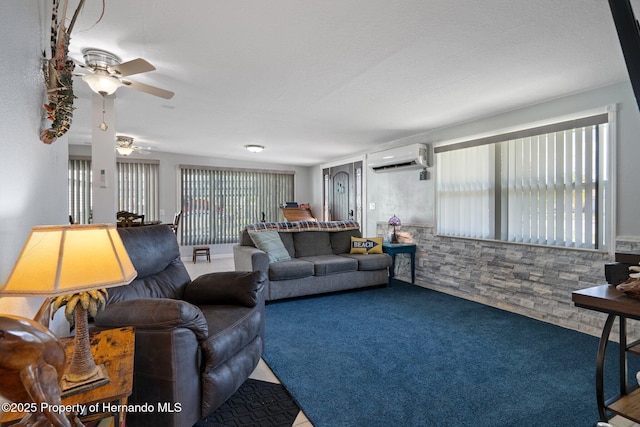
[107, 73]
[124, 146]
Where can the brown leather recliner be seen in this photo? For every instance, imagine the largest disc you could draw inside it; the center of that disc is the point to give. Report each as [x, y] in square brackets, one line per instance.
[196, 341]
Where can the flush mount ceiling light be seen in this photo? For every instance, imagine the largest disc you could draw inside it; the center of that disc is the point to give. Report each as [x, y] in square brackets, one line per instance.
[254, 148]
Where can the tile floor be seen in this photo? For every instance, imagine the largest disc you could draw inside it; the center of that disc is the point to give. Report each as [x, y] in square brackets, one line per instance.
[225, 263]
[263, 372]
[622, 422]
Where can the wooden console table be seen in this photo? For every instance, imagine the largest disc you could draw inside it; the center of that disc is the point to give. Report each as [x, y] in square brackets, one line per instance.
[114, 348]
[607, 299]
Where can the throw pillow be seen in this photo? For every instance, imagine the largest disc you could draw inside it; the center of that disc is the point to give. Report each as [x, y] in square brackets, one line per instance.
[270, 242]
[366, 245]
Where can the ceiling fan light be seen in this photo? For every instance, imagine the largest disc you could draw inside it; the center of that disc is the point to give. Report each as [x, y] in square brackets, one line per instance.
[125, 151]
[254, 148]
[102, 84]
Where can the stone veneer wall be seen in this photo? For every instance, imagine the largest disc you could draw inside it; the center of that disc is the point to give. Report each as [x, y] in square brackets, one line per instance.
[534, 281]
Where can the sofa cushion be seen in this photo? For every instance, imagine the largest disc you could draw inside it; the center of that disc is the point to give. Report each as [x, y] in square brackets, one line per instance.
[330, 264]
[269, 241]
[245, 239]
[287, 241]
[341, 240]
[311, 243]
[292, 269]
[368, 262]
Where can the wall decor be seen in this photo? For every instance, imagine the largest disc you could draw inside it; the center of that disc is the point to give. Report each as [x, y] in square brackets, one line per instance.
[58, 75]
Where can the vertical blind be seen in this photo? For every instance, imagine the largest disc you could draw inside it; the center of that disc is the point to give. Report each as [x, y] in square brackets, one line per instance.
[553, 188]
[138, 188]
[541, 185]
[217, 203]
[465, 188]
[80, 190]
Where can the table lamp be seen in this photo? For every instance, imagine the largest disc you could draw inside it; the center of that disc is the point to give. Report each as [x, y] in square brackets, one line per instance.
[395, 222]
[72, 259]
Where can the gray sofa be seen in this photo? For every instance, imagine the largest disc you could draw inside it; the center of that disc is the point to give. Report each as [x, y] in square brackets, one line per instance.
[320, 261]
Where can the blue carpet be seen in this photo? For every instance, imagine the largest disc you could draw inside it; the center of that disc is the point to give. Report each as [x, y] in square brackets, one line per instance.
[408, 356]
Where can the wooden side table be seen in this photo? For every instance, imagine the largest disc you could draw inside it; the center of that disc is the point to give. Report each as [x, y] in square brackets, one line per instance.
[114, 348]
[400, 248]
[201, 251]
[607, 299]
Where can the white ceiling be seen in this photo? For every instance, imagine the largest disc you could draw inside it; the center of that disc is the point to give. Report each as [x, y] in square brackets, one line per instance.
[314, 80]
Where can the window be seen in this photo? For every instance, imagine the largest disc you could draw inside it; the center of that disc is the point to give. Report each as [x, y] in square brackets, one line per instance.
[80, 202]
[547, 185]
[217, 203]
[138, 188]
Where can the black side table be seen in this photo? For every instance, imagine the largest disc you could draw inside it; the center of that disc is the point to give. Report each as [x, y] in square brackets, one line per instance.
[400, 248]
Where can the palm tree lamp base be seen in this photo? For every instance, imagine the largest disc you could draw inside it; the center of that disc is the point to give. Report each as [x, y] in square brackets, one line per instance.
[99, 379]
[82, 374]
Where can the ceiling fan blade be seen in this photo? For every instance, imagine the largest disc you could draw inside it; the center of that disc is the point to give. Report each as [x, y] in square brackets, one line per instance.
[152, 90]
[135, 66]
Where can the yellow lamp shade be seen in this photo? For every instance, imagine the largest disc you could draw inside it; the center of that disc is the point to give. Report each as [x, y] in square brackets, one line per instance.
[66, 259]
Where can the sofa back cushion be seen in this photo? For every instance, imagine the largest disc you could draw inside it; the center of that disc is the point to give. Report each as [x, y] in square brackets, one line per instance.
[311, 243]
[287, 240]
[286, 237]
[245, 239]
[341, 240]
[155, 254]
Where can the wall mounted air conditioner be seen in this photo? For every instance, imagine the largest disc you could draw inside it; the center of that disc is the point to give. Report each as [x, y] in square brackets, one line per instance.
[414, 156]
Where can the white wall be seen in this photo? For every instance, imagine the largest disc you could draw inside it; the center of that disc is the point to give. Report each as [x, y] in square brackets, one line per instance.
[402, 194]
[169, 179]
[33, 175]
[413, 201]
[169, 169]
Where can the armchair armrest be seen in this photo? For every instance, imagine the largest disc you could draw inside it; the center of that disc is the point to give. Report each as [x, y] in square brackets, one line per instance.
[154, 314]
[230, 287]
